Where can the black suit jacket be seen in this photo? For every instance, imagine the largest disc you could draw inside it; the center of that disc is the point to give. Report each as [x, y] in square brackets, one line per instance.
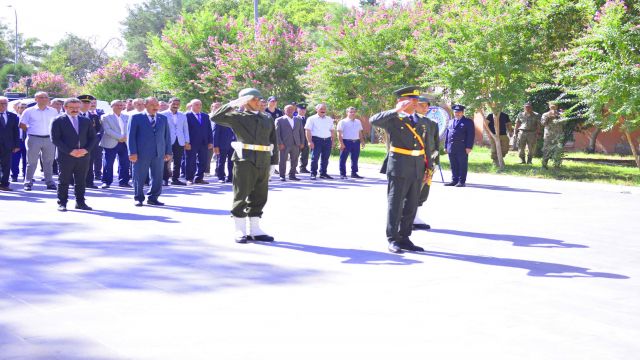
[65, 138]
[9, 134]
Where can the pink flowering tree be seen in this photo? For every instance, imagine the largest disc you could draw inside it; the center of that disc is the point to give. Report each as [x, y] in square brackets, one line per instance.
[54, 85]
[602, 68]
[370, 54]
[211, 57]
[117, 80]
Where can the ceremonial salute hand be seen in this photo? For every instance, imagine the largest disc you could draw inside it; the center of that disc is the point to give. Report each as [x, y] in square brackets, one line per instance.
[403, 105]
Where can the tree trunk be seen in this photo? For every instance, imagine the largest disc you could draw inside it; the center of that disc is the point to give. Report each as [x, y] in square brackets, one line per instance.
[634, 150]
[592, 140]
[496, 137]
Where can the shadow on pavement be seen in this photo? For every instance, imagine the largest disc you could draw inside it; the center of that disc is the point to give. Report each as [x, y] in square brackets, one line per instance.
[352, 256]
[508, 188]
[535, 268]
[40, 262]
[517, 240]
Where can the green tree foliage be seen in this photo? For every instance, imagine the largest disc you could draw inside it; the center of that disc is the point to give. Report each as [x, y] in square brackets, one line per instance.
[370, 54]
[5, 51]
[18, 72]
[54, 85]
[74, 58]
[117, 80]
[205, 55]
[602, 68]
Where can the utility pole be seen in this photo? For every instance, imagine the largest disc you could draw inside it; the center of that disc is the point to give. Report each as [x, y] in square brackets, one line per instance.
[15, 62]
[255, 18]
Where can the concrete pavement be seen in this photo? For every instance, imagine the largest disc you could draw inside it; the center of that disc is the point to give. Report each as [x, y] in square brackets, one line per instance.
[515, 268]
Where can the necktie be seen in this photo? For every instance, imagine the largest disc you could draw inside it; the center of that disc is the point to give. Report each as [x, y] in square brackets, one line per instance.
[199, 119]
[74, 122]
[153, 120]
[2, 120]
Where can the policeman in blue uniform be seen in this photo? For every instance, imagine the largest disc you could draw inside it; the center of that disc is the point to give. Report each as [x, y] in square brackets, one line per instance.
[459, 137]
[223, 136]
[406, 167]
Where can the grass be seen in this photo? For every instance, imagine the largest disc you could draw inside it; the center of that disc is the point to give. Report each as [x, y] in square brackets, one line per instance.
[480, 162]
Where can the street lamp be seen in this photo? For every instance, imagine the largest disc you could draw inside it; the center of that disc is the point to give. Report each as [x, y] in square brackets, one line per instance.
[15, 63]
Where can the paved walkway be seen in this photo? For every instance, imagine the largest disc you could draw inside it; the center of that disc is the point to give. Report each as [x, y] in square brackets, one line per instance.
[516, 268]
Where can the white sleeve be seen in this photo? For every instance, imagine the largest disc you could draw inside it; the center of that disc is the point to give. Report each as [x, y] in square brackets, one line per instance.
[309, 124]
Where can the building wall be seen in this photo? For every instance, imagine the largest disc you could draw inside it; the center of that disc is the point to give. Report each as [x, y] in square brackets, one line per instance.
[610, 142]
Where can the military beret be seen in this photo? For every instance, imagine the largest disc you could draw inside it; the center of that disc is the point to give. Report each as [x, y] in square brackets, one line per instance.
[272, 98]
[249, 91]
[302, 106]
[408, 91]
[86, 98]
[458, 108]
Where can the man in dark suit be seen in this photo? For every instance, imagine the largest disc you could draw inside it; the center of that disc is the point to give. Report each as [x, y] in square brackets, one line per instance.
[304, 152]
[149, 142]
[406, 166]
[290, 135]
[201, 138]
[74, 137]
[95, 165]
[223, 136]
[9, 141]
[459, 138]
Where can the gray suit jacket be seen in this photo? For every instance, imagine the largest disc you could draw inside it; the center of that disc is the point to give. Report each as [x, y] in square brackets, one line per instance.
[180, 130]
[287, 135]
[112, 129]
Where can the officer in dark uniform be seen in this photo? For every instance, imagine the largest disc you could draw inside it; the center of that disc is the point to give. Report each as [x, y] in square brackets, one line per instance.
[459, 137]
[96, 151]
[432, 145]
[301, 109]
[254, 158]
[223, 136]
[405, 168]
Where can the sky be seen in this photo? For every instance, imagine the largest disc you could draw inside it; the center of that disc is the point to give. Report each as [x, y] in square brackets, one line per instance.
[96, 20]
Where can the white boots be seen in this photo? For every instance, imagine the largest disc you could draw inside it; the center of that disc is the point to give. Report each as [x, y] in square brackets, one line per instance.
[418, 223]
[255, 233]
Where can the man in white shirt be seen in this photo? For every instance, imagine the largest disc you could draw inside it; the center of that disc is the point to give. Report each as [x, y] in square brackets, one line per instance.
[320, 132]
[351, 139]
[179, 133]
[36, 121]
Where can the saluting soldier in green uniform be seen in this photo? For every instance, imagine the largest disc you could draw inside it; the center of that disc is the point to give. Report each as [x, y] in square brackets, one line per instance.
[254, 158]
[431, 138]
[405, 167]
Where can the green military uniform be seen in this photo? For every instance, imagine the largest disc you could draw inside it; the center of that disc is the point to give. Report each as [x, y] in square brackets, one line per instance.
[251, 172]
[404, 173]
[431, 138]
[553, 138]
[527, 133]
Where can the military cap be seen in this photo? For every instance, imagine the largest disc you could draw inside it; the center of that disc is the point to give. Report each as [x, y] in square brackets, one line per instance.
[408, 91]
[272, 98]
[302, 106]
[458, 107]
[86, 98]
[423, 99]
[249, 91]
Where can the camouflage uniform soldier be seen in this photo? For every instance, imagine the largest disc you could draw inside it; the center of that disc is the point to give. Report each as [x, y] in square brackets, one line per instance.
[553, 136]
[527, 126]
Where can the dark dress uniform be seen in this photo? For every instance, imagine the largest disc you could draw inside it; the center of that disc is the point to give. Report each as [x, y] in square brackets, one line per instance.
[251, 171]
[95, 162]
[459, 136]
[404, 173]
[431, 143]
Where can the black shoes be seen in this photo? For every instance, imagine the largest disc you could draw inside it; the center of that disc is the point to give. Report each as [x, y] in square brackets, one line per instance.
[125, 185]
[421, 226]
[138, 203]
[394, 247]
[304, 171]
[28, 186]
[260, 238]
[52, 187]
[325, 176]
[282, 178]
[453, 183]
[356, 176]
[177, 182]
[293, 178]
[83, 206]
[201, 181]
[104, 186]
[312, 177]
[406, 244]
[460, 184]
[155, 202]
[62, 208]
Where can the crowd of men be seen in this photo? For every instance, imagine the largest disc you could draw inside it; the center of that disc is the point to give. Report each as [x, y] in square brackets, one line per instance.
[156, 144]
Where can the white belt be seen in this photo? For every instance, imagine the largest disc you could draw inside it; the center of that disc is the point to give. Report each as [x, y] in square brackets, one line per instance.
[238, 147]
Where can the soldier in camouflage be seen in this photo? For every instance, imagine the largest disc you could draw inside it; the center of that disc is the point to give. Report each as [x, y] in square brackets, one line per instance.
[527, 127]
[553, 136]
